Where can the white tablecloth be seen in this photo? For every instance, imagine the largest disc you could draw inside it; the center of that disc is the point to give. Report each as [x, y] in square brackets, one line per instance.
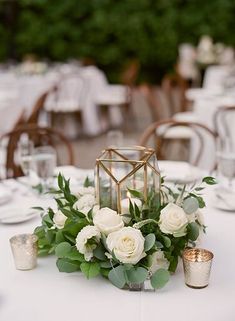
[46, 294]
[20, 92]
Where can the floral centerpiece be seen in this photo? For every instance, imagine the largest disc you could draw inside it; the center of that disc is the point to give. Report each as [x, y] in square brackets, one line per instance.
[144, 243]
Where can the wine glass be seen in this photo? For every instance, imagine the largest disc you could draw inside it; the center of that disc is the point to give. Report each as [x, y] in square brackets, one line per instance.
[226, 161]
[44, 165]
[25, 150]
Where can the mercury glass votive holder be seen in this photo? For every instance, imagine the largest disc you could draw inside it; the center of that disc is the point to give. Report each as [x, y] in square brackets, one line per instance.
[24, 250]
[197, 266]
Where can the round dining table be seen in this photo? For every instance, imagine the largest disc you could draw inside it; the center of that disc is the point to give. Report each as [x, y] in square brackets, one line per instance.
[46, 294]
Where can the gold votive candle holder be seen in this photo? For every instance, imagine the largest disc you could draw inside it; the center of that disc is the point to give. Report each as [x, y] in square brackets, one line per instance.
[197, 266]
[24, 250]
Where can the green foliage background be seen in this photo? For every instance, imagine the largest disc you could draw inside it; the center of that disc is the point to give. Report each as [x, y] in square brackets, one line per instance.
[112, 31]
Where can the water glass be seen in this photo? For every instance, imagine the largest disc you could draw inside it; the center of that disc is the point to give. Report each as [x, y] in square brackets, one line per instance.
[44, 164]
[25, 150]
[24, 250]
[226, 162]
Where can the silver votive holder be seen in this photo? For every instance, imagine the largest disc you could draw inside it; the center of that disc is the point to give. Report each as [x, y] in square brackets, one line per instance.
[24, 250]
[197, 267]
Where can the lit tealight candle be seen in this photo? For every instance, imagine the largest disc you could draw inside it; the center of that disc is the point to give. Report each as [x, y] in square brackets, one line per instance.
[125, 203]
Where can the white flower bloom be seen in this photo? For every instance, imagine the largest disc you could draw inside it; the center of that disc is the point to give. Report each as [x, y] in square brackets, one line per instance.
[173, 220]
[59, 219]
[80, 190]
[85, 203]
[107, 220]
[158, 261]
[84, 244]
[127, 245]
[95, 209]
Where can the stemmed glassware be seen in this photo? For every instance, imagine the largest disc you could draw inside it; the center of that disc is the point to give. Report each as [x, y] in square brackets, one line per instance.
[226, 161]
[44, 160]
[25, 152]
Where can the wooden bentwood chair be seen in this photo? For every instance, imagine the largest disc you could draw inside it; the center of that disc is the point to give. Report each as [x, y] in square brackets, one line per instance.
[40, 136]
[159, 132]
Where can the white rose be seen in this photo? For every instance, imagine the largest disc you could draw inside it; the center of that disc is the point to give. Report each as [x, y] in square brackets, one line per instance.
[158, 261]
[59, 219]
[127, 245]
[80, 190]
[83, 244]
[173, 220]
[85, 203]
[107, 220]
[95, 209]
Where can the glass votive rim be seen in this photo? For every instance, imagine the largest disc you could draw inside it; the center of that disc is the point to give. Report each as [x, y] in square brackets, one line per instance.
[197, 255]
[25, 236]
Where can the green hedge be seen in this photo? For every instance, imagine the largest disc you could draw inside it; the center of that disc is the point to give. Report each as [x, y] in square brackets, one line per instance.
[114, 31]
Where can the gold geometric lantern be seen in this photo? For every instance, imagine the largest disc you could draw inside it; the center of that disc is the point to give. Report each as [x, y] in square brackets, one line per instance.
[121, 169]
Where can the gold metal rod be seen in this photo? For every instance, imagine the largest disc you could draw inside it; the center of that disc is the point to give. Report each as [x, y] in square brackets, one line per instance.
[119, 208]
[108, 172]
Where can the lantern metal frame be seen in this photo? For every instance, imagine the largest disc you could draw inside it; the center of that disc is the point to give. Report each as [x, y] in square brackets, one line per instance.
[143, 162]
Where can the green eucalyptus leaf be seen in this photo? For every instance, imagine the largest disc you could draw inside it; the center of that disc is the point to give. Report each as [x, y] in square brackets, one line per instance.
[99, 253]
[137, 275]
[43, 252]
[190, 205]
[193, 231]
[105, 265]
[159, 245]
[62, 249]
[90, 269]
[117, 276]
[50, 236]
[149, 241]
[39, 231]
[59, 238]
[74, 255]
[167, 241]
[160, 278]
[66, 265]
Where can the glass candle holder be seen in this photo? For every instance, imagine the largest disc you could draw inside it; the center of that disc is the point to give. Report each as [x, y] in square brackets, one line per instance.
[197, 267]
[24, 250]
[119, 170]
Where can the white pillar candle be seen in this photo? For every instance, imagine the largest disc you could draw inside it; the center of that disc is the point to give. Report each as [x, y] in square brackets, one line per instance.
[125, 203]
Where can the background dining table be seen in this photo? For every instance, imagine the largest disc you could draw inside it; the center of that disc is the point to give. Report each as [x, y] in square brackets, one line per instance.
[19, 92]
[205, 103]
[46, 294]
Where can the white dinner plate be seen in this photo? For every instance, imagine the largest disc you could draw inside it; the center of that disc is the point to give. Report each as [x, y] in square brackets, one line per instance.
[180, 172]
[5, 195]
[15, 215]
